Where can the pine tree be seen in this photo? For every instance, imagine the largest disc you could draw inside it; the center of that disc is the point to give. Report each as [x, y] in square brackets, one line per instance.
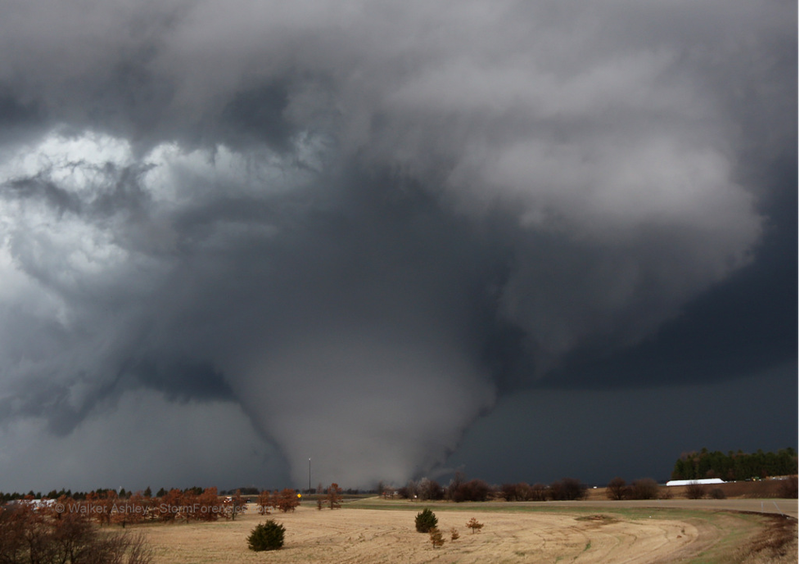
[425, 521]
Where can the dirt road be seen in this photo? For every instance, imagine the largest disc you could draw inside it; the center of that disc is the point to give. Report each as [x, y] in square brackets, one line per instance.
[777, 506]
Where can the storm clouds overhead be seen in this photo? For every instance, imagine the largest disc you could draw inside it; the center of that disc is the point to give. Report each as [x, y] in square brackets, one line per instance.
[265, 232]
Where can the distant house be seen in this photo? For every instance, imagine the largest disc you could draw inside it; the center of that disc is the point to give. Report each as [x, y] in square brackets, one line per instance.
[704, 481]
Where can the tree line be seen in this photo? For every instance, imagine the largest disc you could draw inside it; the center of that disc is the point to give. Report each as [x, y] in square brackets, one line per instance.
[460, 490]
[734, 466]
[80, 496]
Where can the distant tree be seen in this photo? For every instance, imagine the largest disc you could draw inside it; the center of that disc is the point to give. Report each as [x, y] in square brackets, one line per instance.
[148, 492]
[616, 489]
[516, 492]
[568, 489]
[455, 485]
[474, 525]
[430, 489]
[236, 505]
[717, 493]
[161, 492]
[101, 505]
[538, 492]
[523, 491]
[695, 491]
[169, 506]
[264, 502]
[287, 500]
[129, 511]
[207, 506]
[425, 521]
[454, 534]
[334, 496]
[644, 488]
[509, 492]
[474, 490]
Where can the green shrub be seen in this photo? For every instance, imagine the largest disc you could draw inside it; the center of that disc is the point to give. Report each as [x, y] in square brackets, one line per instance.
[268, 536]
[426, 521]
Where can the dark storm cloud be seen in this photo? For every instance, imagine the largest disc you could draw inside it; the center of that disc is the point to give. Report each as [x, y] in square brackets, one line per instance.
[354, 224]
[745, 324]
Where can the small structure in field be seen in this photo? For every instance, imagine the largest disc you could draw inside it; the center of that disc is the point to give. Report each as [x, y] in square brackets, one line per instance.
[702, 482]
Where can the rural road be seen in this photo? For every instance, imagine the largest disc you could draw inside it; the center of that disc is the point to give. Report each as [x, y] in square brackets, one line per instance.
[781, 506]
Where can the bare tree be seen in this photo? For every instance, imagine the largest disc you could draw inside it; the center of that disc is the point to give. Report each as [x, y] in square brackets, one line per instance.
[616, 489]
[538, 492]
[644, 488]
[568, 489]
[334, 496]
[236, 504]
[695, 491]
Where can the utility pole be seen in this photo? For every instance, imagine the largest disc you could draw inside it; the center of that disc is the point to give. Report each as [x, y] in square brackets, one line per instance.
[309, 475]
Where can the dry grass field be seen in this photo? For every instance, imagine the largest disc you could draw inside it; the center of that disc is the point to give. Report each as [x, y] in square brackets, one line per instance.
[383, 531]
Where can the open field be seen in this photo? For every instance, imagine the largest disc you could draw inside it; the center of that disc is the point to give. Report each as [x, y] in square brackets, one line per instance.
[378, 531]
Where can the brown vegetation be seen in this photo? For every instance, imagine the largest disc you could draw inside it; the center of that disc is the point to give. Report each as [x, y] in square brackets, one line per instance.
[474, 525]
[436, 537]
[235, 505]
[286, 500]
[787, 488]
[616, 489]
[265, 502]
[776, 542]
[567, 489]
[365, 535]
[643, 488]
[334, 496]
[695, 491]
[30, 534]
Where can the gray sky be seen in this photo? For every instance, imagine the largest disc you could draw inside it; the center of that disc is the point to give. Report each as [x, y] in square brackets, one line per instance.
[527, 240]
